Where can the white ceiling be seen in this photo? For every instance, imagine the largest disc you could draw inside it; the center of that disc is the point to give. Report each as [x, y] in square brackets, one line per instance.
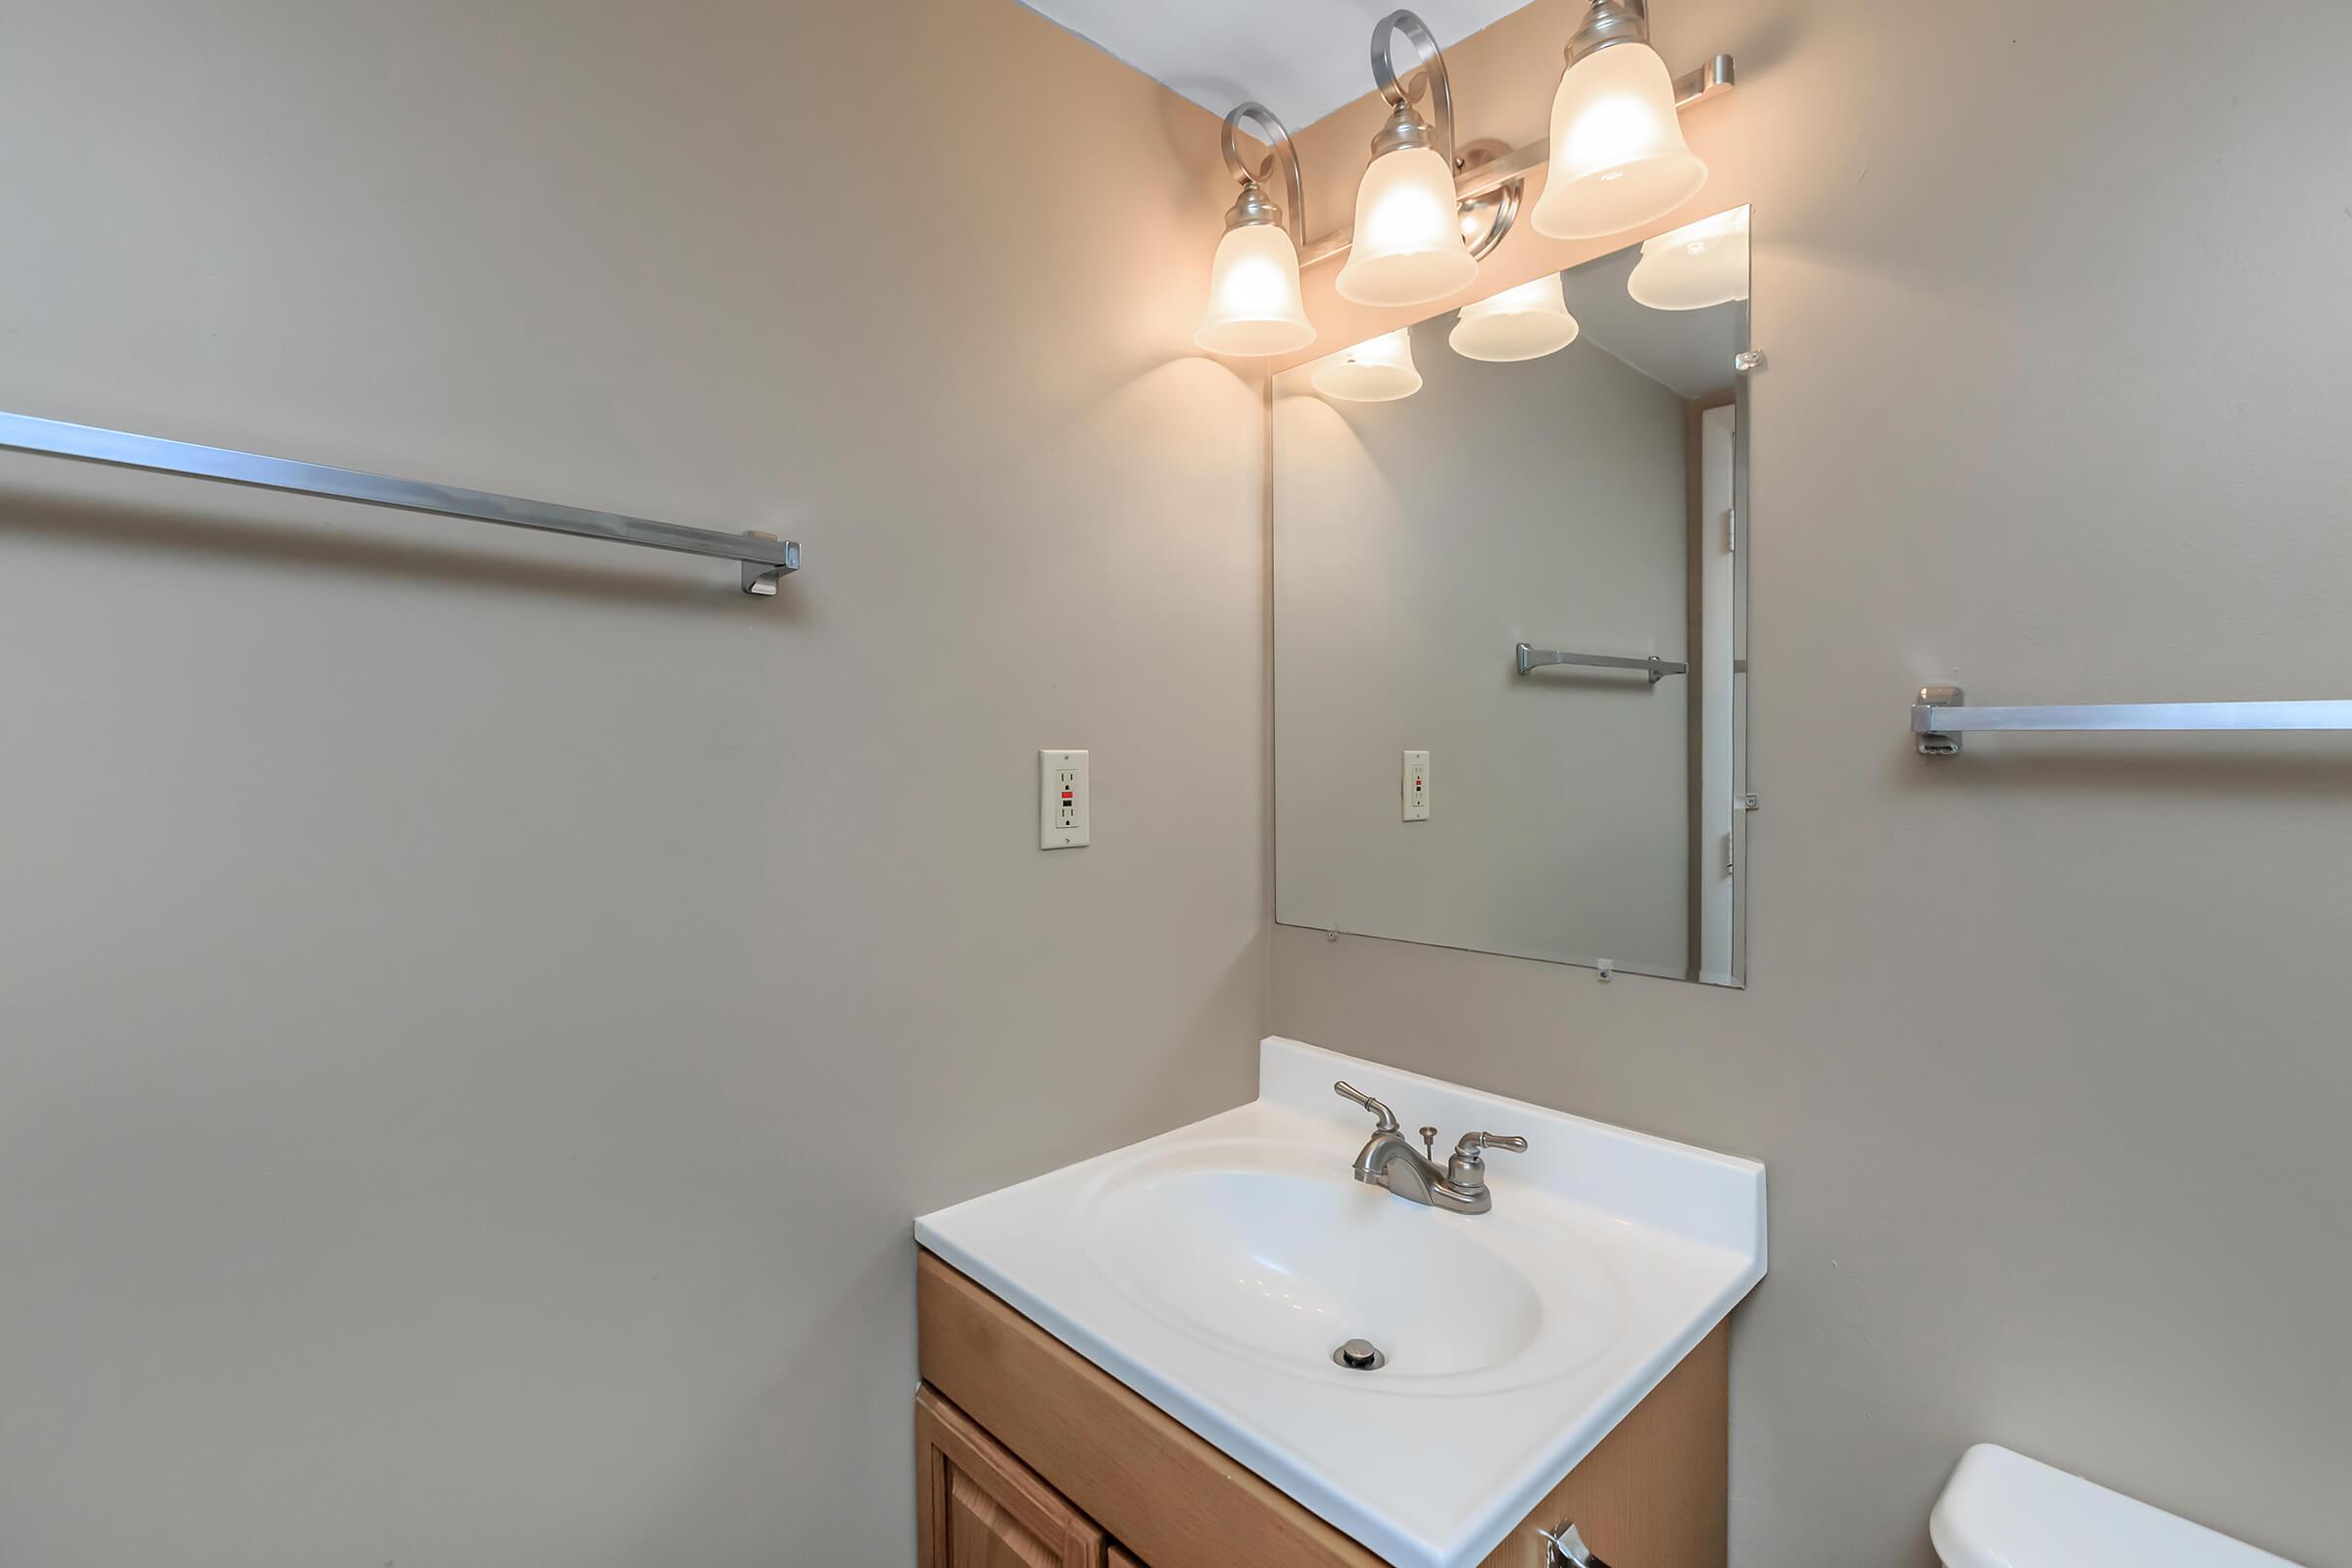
[1302, 59]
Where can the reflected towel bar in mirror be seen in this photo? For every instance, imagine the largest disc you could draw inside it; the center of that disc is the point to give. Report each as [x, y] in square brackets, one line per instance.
[1941, 717]
[1539, 658]
[765, 558]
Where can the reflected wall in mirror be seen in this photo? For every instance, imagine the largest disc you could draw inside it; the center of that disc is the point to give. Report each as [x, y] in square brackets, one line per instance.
[1564, 467]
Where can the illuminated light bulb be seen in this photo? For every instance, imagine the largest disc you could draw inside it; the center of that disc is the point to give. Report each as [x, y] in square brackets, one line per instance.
[1525, 322]
[1255, 307]
[1408, 247]
[1377, 370]
[1691, 267]
[1618, 158]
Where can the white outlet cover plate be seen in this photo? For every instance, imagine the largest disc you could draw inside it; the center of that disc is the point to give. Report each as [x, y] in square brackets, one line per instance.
[1065, 816]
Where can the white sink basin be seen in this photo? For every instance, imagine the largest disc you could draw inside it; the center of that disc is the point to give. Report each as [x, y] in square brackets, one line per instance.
[1214, 1269]
[1274, 1253]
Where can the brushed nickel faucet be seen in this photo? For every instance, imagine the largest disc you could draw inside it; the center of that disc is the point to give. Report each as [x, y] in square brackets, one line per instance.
[1390, 1161]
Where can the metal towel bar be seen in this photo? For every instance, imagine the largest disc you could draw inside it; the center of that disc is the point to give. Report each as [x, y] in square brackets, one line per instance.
[765, 556]
[1941, 717]
[1539, 658]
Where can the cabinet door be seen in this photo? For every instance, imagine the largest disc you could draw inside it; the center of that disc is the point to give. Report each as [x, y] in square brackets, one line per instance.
[977, 1506]
[1120, 1560]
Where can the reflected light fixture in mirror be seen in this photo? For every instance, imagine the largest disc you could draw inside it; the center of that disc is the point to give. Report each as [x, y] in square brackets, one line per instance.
[1255, 307]
[1525, 322]
[1618, 158]
[1408, 246]
[1693, 267]
[1377, 370]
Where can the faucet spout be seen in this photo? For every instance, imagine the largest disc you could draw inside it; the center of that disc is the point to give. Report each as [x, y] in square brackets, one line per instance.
[1389, 1161]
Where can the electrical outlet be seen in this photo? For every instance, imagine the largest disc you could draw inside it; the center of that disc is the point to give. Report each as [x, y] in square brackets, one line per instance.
[1064, 805]
[1415, 787]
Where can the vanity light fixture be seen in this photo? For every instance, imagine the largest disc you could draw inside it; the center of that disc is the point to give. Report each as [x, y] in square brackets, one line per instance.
[1412, 239]
[1693, 267]
[1618, 158]
[1426, 213]
[1375, 371]
[1254, 306]
[1525, 322]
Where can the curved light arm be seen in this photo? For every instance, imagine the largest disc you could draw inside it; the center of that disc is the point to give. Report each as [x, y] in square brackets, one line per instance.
[1429, 75]
[1277, 138]
[1430, 70]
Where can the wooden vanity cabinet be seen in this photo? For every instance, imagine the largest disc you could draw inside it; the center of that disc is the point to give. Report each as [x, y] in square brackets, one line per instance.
[977, 1506]
[1031, 1456]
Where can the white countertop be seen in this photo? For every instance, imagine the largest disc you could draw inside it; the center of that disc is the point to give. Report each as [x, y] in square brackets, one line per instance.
[1207, 1268]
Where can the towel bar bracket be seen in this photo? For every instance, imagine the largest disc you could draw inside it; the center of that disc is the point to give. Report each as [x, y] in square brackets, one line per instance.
[760, 578]
[1936, 742]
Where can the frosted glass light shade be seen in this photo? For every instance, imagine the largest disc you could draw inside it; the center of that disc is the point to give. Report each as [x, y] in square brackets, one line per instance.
[1618, 159]
[1525, 322]
[1407, 248]
[1377, 370]
[1693, 267]
[1254, 302]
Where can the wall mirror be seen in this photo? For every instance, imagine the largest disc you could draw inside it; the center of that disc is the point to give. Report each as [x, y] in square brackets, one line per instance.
[1511, 651]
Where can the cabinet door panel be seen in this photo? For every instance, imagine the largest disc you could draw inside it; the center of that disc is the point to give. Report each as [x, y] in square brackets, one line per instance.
[983, 1534]
[977, 1506]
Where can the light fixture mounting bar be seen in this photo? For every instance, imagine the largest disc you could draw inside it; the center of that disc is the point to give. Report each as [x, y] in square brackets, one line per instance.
[1707, 81]
[1710, 80]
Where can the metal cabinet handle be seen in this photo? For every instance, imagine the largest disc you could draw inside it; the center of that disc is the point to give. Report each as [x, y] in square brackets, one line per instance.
[1567, 1549]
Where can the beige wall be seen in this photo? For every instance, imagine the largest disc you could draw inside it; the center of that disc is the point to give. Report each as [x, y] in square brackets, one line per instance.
[443, 990]
[2045, 1046]
[1559, 824]
[477, 1013]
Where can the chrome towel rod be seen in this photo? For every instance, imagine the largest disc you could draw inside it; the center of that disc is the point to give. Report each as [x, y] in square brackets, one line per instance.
[765, 558]
[1539, 658]
[1941, 717]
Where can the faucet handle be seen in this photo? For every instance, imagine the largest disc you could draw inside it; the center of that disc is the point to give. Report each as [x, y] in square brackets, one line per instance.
[1388, 1118]
[1466, 1170]
[1472, 1143]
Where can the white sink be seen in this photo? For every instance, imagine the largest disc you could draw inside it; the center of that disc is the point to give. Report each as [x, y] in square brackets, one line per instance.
[1215, 1269]
[1275, 1253]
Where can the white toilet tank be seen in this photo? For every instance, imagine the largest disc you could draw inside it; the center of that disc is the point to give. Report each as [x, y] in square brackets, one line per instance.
[2004, 1510]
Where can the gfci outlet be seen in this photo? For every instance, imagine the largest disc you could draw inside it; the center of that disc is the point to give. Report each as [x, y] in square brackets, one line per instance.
[1413, 789]
[1064, 810]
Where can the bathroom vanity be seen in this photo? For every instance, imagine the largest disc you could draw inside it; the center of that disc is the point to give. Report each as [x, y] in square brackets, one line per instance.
[1224, 1345]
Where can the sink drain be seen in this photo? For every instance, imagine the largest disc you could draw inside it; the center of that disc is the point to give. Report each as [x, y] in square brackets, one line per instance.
[1360, 1356]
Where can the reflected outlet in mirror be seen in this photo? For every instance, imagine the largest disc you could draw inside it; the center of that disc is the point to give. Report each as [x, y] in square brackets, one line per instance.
[1588, 502]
